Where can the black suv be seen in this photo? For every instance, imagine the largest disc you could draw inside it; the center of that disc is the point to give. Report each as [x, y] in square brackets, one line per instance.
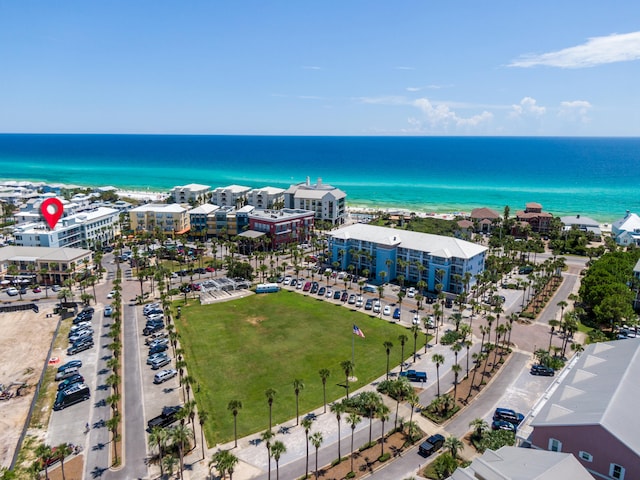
[431, 445]
[168, 416]
[542, 370]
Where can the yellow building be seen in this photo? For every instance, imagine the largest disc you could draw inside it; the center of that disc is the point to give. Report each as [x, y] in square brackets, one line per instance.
[171, 219]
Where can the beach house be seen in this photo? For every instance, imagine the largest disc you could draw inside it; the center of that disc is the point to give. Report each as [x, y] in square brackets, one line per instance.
[539, 221]
[443, 263]
[626, 231]
[484, 219]
[582, 223]
[230, 196]
[326, 201]
[591, 412]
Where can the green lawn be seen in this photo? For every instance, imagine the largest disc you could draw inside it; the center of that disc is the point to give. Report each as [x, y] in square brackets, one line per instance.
[239, 349]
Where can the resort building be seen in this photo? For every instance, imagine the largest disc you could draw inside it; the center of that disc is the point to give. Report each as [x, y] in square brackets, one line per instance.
[193, 193]
[171, 219]
[282, 226]
[230, 196]
[484, 219]
[522, 463]
[48, 266]
[82, 230]
[539, 221]
[229, 220]
[444, 263]
[198, 219]
[326, 201]
[591, 412]
[626, 231]
[582, 223]
[266, 198]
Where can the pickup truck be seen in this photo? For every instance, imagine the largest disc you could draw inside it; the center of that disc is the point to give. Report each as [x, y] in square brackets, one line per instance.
[415, 376]
[166, 418]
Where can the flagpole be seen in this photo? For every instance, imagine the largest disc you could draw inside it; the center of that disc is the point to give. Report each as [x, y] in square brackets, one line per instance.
[353, 343]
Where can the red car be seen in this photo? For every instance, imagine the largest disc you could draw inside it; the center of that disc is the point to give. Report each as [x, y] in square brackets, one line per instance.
[37, 290]
[210, 269]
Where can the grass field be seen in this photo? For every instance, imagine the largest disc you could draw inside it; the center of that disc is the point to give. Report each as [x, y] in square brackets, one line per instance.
[236, 350]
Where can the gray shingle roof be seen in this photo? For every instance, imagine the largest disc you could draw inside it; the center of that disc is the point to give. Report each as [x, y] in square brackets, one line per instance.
[602, 388]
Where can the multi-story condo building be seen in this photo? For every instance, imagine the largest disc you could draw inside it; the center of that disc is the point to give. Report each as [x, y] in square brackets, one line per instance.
[198, 219]
[266, 198]
[40, 264]
[228, 220]
[192, 193]
[326, 201]
[230, 196]
[282, 226]
[444, 263]
[82, 230]
[171, 219]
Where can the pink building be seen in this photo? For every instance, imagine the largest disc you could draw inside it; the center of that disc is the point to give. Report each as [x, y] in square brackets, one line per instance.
[592, 413]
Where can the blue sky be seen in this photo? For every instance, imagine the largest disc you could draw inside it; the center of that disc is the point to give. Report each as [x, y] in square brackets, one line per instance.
[343, 67]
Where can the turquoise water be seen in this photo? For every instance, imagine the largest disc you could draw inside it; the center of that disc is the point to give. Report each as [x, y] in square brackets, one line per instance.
[597, 177]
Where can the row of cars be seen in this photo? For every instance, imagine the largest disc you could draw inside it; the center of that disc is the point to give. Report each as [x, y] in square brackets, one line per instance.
[158, 343]
[71, 386]
[81, 332]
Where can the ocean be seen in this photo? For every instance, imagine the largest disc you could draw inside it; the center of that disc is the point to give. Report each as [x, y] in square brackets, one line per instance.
[595, 177]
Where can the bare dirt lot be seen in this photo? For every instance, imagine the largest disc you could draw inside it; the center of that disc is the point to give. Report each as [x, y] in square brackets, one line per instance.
[24, 344]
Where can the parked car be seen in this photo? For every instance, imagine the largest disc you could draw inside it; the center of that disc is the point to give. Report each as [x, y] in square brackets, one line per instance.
[12, 292]
[160, 362]
[508, 415]
[158, 349]
[80, 346]
[396, 314]
[74, 394]
[300, 284]
[431, 445]
[344, 296]
[416, 319]
[503, 425]
[414, 376]
[75, 378]
[155, 336]
[352, 299]
[376, 307]
[411, 292]
[368, 304]
[164, 375]
[386, 310]
[149, 330]
[322, 291]
[67, 373]
[70, 364]
[55, 288]
[152, 358]
[168, 416]
[81, 336]
[542, 370]
[150, 306]
[307, 287]
[337, 294]
[314, 287]
[448, 303]
[108, 310]
[37, 290]
[159, 341]
[329, 293]
[359, 302]
[111, 294]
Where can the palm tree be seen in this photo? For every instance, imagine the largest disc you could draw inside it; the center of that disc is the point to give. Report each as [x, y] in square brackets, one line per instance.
[415, 329]
[306, 424]
[63, 451]
[370, 401]
[456, 371]
[203, 416]
[553, 324]
[347, 367]
[44, 453]
[353, 419]
[438, 359]
[270, 393]
[158, 437]
[298, 386]
[388, 346]
[225, 461]
[479, 426]
[338, 408]
[316, 441]
[277, 450]
[453, 444]
[399, 390]
[112, 425]
[266, 438]
[403, 339]
[324, 375]
[383, 414]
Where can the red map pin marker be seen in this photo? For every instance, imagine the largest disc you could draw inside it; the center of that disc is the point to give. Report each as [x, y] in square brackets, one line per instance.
[51, 210]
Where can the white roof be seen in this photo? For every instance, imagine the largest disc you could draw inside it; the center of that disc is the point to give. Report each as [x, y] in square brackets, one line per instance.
[579, 220]
[193, 186]
[436, 245]
[515, 463]
[630, 223]
[269, 190]
[233, 189]
[205, 209]
[600, 389]
[61, 254]
[160, 207]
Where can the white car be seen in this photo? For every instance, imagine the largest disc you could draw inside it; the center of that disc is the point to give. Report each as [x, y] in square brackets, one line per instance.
[411, 292]
[359, 302]
[287, 280]
[376, 307]
[111, 294]
[300, 284]
[416, 319]
[387, 310]
[329, 293]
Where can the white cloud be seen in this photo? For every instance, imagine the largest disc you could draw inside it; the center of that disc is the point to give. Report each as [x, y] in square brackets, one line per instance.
[575, 110]
[311, 67]
[427, 87]
[596, 51]
[385, 100]
[527, 107]
[441, 115]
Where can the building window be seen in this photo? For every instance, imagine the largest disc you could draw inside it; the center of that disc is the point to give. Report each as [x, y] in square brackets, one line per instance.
[586, 456]
[555, 445]
[616, 471]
